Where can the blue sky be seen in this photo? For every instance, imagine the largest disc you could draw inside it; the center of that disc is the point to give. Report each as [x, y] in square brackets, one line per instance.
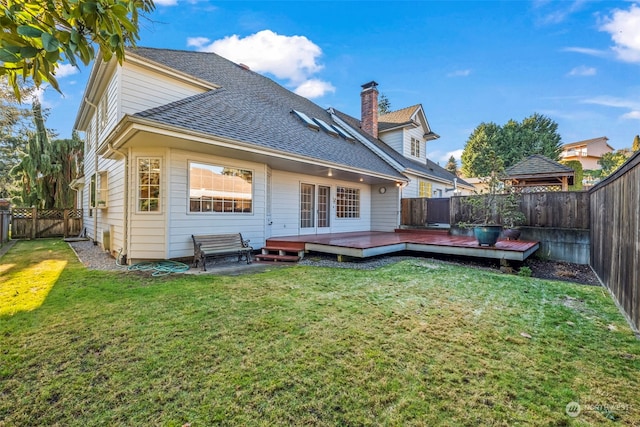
[577, 62]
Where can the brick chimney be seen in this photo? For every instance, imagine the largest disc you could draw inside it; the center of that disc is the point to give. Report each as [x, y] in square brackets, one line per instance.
[369, 108]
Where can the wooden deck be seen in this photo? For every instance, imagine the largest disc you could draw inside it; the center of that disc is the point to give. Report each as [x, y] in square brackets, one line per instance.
[372, 243]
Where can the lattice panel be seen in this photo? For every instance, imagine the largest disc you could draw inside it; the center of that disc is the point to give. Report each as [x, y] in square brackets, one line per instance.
[537, 188]
[22, 213]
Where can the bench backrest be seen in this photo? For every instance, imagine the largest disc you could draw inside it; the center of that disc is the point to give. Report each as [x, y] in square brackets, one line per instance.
[218, 241]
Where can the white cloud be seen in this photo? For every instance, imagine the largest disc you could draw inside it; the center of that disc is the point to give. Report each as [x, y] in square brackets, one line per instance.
[165, 2]
[291, 58]
[623, 27]
[442, 158]
[459, 73]
[586, 51]
[314, 88]
[66, 70]
[633, 105]
[583, 70]
[562, 10]
[612, 101]
[635, 115]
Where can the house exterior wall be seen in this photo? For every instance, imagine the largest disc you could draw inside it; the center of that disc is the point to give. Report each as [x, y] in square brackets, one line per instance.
[181, 224]
[385, 208]
[394, 139]
[412, 190]
[142, 89]
[286, 205]
[418, 134]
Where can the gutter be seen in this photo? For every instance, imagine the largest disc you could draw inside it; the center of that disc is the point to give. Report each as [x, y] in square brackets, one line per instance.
[137, 124]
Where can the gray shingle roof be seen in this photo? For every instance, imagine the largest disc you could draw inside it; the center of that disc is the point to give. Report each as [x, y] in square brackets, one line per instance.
[253, 109]
[429, 168]
[538, 164]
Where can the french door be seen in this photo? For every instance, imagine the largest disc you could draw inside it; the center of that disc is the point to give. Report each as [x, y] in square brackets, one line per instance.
[315, 208]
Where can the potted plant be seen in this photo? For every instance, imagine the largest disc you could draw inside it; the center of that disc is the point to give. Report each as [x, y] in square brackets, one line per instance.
[511, 215]
[492, 209]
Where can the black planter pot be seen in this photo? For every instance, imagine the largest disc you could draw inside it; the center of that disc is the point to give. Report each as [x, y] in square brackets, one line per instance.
[511, 234]
[487, 235]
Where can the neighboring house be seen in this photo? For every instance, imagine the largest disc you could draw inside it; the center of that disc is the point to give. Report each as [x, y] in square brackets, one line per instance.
[539, 173]
[180, 143]
[587, 152]
[403, 136]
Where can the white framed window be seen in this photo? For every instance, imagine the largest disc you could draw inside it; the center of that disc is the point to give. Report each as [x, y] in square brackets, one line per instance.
[424, 188]
[149, 172]
[347, 202]
[415, 147]
[103, 107]
[221, 189]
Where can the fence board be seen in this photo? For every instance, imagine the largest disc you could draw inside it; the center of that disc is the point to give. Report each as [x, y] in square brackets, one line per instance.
[559, 209]
[615, 236]
[32, 223]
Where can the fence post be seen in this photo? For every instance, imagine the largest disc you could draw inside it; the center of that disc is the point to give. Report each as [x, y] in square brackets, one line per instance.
[34, 222]
[65, 226]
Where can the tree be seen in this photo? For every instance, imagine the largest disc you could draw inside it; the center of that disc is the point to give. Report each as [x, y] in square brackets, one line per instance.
[48, 167]
[384, 105]
[636, 144]
[512, 142]
[452, 165]
[15, 121]
[609, 162]
[577, 179]
[478, 151]
[38, 35]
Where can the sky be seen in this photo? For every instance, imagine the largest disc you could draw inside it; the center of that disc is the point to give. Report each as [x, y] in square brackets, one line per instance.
[466, 62]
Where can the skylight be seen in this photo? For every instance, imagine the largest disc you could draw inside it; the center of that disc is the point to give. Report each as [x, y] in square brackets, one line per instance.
[302, 116]
[331, 131]
[343, 133]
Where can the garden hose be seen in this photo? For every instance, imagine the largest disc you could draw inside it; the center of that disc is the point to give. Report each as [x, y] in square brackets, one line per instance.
[161, 268]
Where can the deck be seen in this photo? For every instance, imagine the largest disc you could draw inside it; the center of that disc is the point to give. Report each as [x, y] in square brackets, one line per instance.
[372, 243]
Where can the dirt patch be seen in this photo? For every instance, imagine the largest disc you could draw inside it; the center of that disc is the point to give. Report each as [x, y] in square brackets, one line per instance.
[540, 269]
[565, 271]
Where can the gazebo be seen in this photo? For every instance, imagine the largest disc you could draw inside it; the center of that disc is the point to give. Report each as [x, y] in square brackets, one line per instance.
[539, 173]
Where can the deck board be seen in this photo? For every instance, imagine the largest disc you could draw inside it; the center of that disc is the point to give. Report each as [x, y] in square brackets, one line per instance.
[370, 243]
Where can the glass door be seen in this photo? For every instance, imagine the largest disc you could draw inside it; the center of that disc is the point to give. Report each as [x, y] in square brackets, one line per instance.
[324, 206]
[307, 208]
[315, 208]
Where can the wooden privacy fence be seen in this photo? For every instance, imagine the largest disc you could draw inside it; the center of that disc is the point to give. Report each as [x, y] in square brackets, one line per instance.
[615, 236]
[559, 209]
[33, 223]
[422, 211]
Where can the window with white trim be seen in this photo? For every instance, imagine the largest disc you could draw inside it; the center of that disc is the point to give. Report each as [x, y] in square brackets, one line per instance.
[149, 171]
[222, 189]
[347, 202]
[415, 147]
[424, 189]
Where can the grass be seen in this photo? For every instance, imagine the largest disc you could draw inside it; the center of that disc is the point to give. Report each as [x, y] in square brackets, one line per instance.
[415, 343]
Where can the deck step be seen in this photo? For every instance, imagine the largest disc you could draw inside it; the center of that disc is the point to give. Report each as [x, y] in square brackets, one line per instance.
[285, 245]
[277, 258]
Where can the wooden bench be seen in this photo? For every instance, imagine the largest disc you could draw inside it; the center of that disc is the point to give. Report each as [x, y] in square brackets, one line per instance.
[217, 245]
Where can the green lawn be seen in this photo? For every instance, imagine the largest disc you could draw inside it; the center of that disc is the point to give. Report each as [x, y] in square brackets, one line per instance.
[415, 343]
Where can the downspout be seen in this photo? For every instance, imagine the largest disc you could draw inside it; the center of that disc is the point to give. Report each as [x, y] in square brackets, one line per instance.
[125, 207]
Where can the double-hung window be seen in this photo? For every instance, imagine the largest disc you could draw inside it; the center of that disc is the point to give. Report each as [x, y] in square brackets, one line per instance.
[149, 173]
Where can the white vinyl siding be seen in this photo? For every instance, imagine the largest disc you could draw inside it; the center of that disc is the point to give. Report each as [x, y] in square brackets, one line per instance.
[286, 204]
[142, 89]
[182, 223]
[385, 208]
